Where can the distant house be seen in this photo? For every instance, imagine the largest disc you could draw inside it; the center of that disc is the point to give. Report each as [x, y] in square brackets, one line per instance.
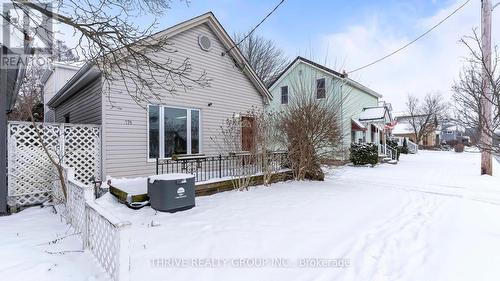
[133, 134]
[363, 115]
[53, 80]
[379, 118]
[452, 134]
[404, 129]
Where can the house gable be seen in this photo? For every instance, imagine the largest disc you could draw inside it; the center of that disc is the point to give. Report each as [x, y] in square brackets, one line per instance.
[231, 91]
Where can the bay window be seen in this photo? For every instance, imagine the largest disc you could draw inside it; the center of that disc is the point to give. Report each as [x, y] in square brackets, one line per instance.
[173, 130]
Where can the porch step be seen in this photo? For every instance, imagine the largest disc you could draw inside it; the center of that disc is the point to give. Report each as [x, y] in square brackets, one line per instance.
[393, 162]
[387, 159]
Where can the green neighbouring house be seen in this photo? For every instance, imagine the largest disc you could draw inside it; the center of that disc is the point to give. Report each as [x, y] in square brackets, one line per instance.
[364, 117]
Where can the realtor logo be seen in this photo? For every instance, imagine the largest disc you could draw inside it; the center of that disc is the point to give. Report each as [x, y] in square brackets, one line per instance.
[26, 33]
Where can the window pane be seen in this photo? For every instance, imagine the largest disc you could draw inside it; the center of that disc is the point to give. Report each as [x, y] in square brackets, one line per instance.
[195, 131]
[154, 131]
[320, 88]
[284, 95]
[175, 127]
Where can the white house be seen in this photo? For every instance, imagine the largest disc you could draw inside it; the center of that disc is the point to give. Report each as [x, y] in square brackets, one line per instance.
[53, 80]
[135, 133]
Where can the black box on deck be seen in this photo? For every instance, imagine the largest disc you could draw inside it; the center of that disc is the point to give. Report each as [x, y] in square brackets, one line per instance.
[171, 192]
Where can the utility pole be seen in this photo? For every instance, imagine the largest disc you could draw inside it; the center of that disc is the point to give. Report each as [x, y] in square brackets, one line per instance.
[486, 140]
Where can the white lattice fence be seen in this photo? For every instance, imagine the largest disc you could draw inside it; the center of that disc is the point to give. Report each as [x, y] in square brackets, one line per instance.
[30, 170]
[109, 241]
[82, 147]
[106, 236]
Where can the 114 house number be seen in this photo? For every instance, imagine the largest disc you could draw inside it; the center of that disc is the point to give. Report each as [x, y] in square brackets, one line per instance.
[128, 122]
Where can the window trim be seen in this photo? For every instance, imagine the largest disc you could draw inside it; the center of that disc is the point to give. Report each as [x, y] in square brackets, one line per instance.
[324, 88]
[161, 132]
[287, 94]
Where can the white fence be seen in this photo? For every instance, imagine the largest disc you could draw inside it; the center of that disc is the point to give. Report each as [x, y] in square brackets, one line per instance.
[104, 235]
[30, 172]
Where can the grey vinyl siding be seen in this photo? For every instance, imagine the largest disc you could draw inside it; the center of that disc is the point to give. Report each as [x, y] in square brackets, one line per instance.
[85, 107]
[49, 116]
[125, 127]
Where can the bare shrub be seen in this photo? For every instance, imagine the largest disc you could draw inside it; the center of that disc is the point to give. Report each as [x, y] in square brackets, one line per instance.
[311, 129]
[250, 139]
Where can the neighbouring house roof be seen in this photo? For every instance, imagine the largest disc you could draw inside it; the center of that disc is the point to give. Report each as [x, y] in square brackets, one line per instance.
[402, 128]
[208, 18]
[67, 65]
[453, 128]
[325, 69]
[85, 75]
[374, 113]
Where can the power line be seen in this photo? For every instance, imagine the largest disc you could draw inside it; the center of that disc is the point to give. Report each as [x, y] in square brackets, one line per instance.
[251, 31]
[413, 41]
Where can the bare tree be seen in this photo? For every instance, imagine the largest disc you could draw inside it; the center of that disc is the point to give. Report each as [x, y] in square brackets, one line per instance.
[468, 93]
[109, 38]
[265, 57]
[311, 128]
[425, 116]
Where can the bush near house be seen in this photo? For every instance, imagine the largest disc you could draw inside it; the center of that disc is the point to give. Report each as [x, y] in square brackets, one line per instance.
[364, 153]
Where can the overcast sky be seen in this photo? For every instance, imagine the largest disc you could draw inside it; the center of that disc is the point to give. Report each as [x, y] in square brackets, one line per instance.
[349, 33]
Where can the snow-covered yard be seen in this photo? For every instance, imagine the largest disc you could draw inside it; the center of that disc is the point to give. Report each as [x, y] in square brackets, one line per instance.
[431, 217]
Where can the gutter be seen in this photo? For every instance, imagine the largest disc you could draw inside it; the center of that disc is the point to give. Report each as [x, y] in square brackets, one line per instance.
[81, 78]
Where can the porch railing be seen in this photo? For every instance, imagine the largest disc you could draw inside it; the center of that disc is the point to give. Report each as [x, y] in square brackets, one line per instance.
[412, 147]
[388, 151]
[206, 168]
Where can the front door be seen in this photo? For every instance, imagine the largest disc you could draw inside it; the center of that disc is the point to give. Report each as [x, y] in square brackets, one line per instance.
[247, 134]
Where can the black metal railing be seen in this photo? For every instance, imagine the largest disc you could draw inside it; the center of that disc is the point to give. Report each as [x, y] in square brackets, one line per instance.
[206, 168]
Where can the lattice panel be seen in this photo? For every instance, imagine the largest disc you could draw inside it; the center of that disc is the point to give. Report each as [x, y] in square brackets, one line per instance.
[31, 177]
[82, 148]
[103, 239]
[30, 174]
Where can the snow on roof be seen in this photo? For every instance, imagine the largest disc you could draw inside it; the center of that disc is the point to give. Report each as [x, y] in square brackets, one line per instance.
[455, 128]
[371, 113]
[402, 128]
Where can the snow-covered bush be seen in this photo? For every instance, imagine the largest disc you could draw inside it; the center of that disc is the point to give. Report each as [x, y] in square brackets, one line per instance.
[364, 153]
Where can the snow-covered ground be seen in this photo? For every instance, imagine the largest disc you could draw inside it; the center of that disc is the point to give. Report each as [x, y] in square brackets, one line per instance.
[431, 217]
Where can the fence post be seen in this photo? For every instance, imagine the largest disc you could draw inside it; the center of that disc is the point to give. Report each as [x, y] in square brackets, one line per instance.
[220, 166]
[157, 162]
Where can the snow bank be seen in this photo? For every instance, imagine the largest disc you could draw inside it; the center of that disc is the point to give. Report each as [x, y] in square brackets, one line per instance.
[430, 217]
[36, 245]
